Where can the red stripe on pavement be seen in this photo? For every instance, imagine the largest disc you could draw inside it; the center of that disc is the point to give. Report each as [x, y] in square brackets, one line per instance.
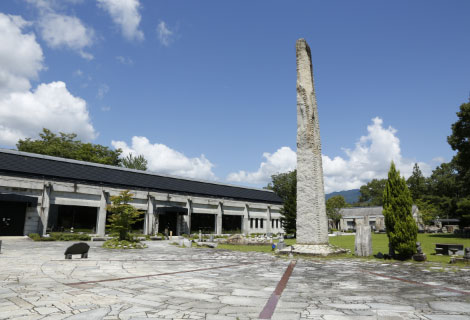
[270, 306]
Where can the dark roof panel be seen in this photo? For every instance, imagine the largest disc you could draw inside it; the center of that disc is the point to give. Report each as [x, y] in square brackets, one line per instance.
[26, 164]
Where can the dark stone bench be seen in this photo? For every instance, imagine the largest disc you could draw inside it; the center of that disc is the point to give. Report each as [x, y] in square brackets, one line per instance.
[77, 248]
[443, 248]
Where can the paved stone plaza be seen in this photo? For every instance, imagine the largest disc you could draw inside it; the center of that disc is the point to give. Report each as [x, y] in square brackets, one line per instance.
[168, 282]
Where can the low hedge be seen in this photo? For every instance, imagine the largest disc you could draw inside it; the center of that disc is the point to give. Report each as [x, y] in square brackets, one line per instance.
[123, 244]
[59, 236]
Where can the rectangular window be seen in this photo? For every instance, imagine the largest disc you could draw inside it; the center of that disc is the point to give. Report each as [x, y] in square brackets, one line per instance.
[261, 223]
[256, 223]
[277, 223]
[251, 223]
[272, 224]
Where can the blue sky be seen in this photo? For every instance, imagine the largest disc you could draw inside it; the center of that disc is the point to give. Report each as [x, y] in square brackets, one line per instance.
[207, 88]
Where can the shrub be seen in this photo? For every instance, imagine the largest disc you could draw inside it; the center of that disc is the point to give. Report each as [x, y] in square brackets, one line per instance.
[35, 236]
[59, 236]
[115, 243]
[123, 215]
[47, 239]
[402, 230]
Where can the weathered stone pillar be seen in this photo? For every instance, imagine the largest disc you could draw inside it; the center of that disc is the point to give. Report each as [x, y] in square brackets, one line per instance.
[312, 222]
[220, 212]
[246, 220]
[45, 205]
[363, 240]
[187, 218]
[101, 219]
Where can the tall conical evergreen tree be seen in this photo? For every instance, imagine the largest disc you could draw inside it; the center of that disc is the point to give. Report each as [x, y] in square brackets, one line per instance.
[402, 230]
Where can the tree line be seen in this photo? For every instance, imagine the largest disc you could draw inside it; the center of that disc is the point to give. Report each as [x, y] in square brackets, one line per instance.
[66, 145]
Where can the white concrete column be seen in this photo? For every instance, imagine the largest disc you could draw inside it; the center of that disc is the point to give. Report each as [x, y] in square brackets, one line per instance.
[246, 220]
[268, 220]
[101, 219]
[149, 217]
[178, 224]
[220, 212]
[45, 205]
[187, 218]
[156, 221]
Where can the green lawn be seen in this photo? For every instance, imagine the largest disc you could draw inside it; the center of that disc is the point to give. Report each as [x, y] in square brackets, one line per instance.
[379, 243]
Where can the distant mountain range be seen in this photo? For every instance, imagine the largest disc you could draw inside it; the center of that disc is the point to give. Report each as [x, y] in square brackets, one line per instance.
[350, 196]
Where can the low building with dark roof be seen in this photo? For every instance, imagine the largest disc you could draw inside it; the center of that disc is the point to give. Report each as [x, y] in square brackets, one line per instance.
[40, 193]
[351, 216]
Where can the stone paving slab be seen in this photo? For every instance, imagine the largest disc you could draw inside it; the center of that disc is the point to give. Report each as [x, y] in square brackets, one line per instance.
[168, 282]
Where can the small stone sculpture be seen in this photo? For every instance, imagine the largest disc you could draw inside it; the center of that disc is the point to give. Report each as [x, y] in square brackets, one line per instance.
[466, 256]
[419, 255]
[281, 244]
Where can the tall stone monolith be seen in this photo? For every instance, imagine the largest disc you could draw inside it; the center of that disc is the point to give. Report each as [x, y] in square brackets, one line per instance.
[312, 222]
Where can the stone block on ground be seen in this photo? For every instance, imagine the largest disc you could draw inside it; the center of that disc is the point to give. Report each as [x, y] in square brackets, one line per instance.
[363, 243]
[236, 239]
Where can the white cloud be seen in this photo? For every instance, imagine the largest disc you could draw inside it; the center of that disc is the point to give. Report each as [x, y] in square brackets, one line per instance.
[164, 160]
[106, 108]
[21, 56]
[283, 160]
[61, 31]
[124, 60]
[102, 90]
[23, 113]
[369, 159]
[165, 35]
[125, 13]
[78, 73]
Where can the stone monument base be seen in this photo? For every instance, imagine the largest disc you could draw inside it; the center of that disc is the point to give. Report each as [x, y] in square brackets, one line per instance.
[314, 250]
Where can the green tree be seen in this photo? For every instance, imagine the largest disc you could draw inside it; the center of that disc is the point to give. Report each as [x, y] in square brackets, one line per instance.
[285, 186]
[123, 215]
[333, 208]
[459, 140]
[371, 193]
[463, 212]
[428, 211]
[65, 145]
[401, 228]
[416, 183]
[137, 163]
[443, 181]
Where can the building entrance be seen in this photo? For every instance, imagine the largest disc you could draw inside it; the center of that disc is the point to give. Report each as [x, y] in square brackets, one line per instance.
[204, 222]
[167, 222]
[12, 217]
[64, 218]
[232, 224]
[171, 219]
